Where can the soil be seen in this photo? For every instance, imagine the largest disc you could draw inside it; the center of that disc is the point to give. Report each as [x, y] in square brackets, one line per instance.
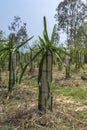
[19, 109]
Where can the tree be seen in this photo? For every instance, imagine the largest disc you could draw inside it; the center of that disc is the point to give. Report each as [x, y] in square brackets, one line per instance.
[70, 14]
[47, 48]
[81, 39]
[20, 31]
[8, 50]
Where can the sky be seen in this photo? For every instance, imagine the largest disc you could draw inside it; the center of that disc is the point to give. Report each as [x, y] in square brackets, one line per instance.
[31, 12]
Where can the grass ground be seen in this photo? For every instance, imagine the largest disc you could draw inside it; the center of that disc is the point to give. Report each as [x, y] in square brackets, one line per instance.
[19, 110]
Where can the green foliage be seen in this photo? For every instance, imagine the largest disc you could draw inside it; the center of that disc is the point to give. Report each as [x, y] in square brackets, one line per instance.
[9, 46]
[8, 128]
[45, 45]
[82, 116]
[19, 29]
[76, 92]
[84, 74]
[70, 16]
[8, 50]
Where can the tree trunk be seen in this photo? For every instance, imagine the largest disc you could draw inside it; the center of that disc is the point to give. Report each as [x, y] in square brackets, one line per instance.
[45, 95]
[67, 61]
[77, 65]
[31, 63]
[82, 57]
[59, 65]
[15, 69]
[0, 74]
[10, 85]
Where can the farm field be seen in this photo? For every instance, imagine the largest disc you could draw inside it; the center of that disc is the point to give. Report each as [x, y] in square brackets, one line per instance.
[43, 70]
[19, 110]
